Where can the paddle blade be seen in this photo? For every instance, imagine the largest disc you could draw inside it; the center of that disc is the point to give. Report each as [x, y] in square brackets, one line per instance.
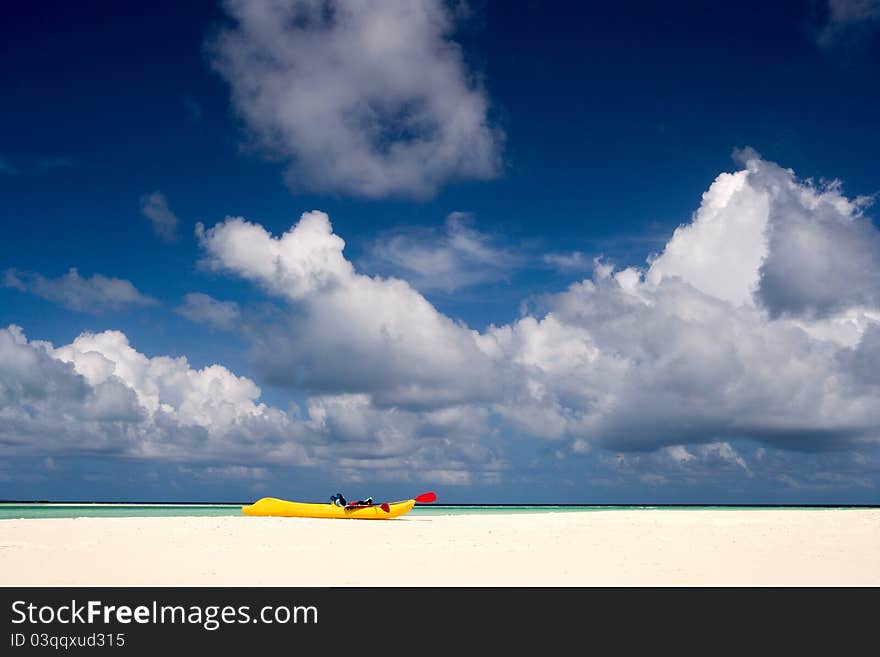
[424, 498]
[385, 508]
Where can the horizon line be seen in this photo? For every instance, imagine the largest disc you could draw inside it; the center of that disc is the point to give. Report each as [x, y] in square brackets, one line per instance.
[477, 504]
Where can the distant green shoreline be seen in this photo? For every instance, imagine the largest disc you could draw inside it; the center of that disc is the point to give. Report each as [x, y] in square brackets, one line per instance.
[473, 504]
[37, 510]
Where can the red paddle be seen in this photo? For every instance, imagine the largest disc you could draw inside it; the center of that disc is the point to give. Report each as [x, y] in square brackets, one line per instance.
[424, 498]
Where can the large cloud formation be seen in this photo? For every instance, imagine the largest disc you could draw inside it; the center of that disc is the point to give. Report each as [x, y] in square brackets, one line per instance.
[100, 396]
[368, 99]
[348, 332]
[752, 323]
[801, 250]
[759, 321]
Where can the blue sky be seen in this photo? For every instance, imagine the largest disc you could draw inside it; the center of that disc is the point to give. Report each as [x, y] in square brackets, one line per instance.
[513, 317]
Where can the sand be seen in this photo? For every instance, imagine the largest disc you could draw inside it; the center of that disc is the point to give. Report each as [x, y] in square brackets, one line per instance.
[834, 547]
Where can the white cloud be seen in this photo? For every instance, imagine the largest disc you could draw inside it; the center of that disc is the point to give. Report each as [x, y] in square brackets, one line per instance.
[678, 369]
[304, 262]
[99, 395]
[154, 206]
[90, 294]
[12, 279]
[678, 453]
[573, 261]
[399, 443]
[714, 339]
[667, 364]
[763, 237]
[459, 256]
[212, 397]
[368, 99]
[347, 332]
[707, 344]
[721, 250]
[724, 452]
[205, 309]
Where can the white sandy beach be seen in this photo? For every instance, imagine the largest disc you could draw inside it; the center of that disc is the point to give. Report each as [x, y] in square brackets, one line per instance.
[834, 547]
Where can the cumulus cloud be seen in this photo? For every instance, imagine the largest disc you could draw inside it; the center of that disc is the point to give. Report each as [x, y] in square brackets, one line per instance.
[205, 309]
[347, 332]
[822, 258]
[450, 259]
[84, 294]
[714, 340]
[99, 395]
[721, 249]
[367, 99]
[761, 236]
[642, 367]
[154, 206]
[713, 357]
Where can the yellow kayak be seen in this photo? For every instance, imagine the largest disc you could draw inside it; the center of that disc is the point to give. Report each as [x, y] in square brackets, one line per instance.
[270, 506]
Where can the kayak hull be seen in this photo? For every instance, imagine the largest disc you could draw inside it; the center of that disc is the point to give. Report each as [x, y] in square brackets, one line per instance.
[271, 506]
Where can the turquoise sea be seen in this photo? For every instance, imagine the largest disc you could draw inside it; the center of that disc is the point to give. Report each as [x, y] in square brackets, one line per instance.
[10, 510]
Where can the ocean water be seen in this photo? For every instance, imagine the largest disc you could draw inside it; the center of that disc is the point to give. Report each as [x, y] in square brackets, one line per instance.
[12, 510]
